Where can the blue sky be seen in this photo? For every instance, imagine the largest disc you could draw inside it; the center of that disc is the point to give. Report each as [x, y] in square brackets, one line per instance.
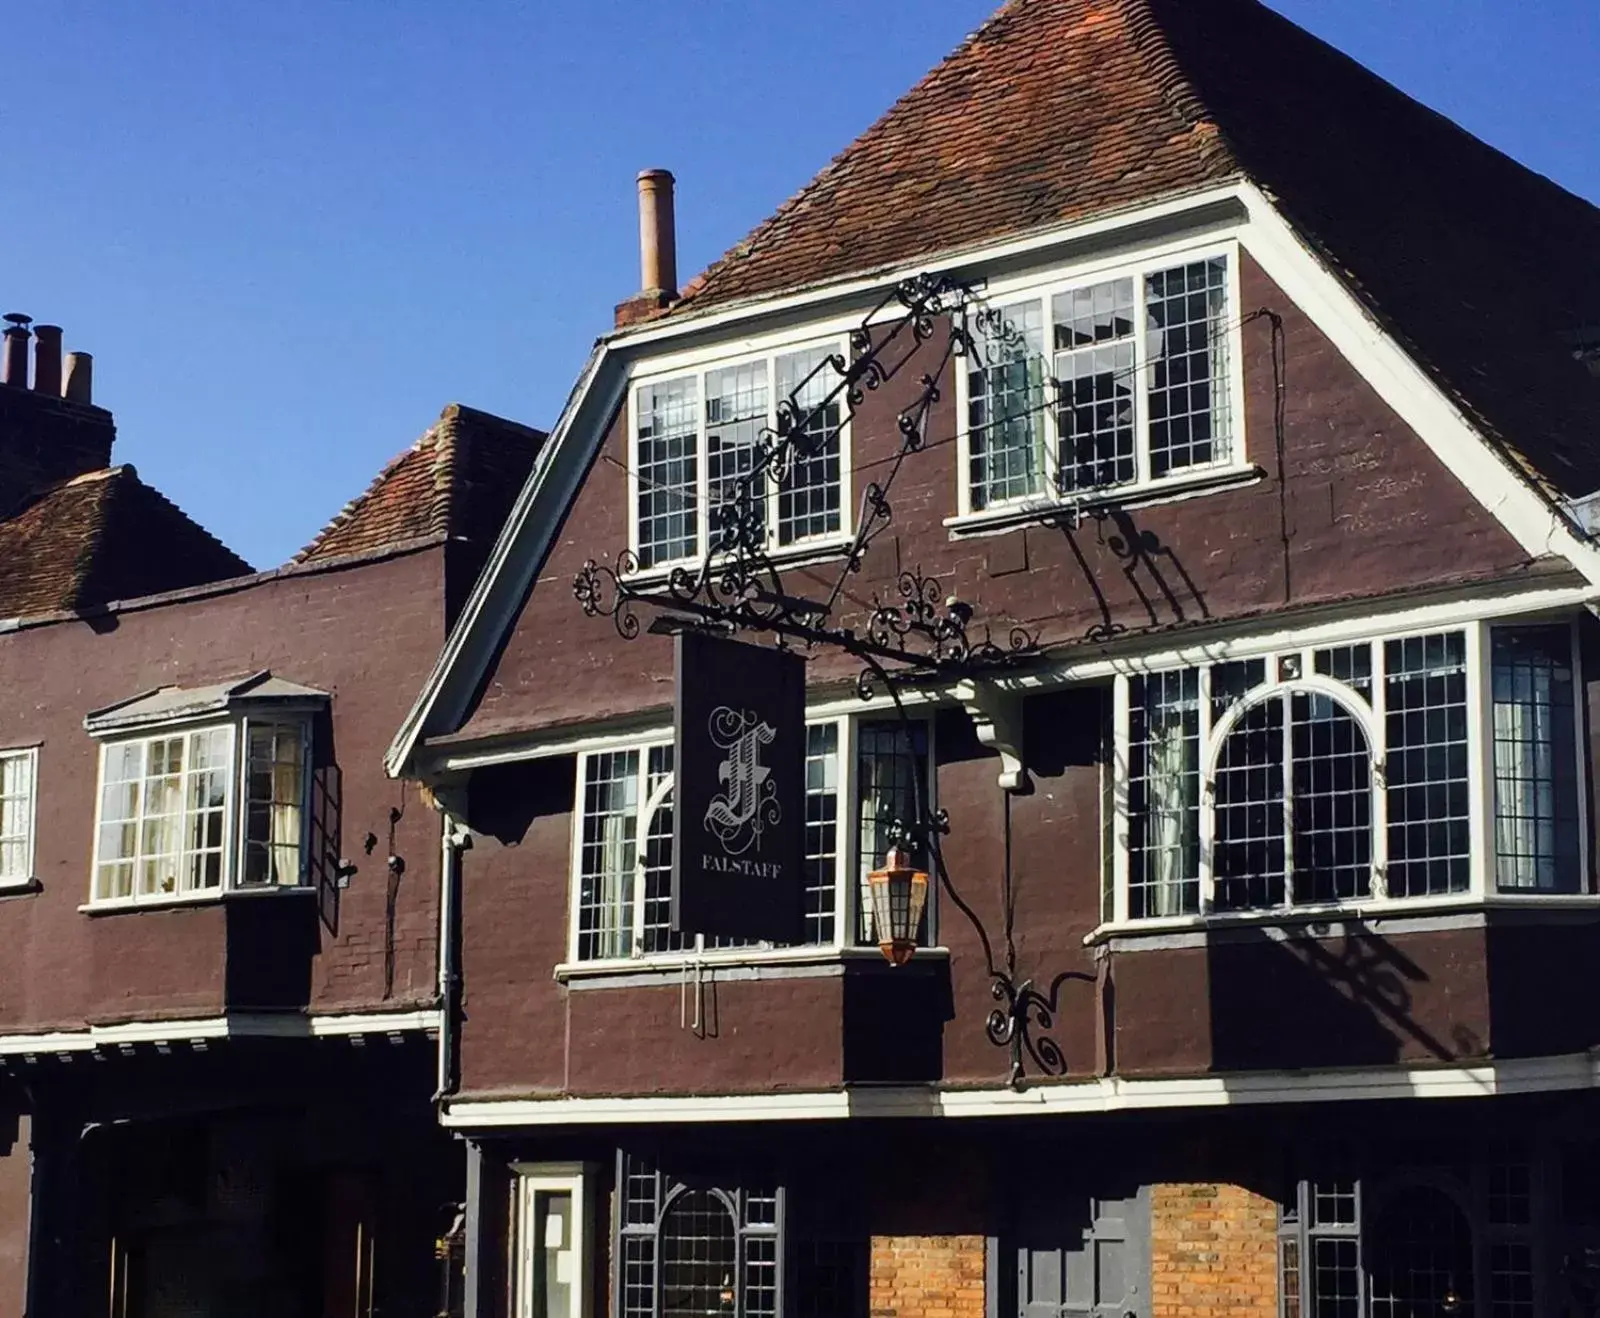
[291, 231]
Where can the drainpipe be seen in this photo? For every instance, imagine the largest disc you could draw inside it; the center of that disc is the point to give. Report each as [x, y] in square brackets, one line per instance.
[454, 840]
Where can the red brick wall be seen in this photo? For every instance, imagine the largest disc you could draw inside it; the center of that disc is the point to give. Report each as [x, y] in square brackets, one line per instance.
[1213, 1252]
[927, 1277]
[366, 634]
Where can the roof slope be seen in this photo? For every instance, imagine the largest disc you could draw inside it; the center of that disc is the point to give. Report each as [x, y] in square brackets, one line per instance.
[459, 480]
[100, 537]
[1059, 110]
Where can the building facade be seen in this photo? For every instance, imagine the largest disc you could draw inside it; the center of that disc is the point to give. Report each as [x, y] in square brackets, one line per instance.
[219, 1008]
[1249, 410]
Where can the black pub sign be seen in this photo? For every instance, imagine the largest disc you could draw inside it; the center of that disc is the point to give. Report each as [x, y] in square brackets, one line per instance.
[739, 797]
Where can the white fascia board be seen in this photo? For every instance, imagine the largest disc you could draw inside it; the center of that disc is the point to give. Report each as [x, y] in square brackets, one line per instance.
[1040, 246]
[491, 609]
[1534, 1075]
[1508, 494]
[242, 1025]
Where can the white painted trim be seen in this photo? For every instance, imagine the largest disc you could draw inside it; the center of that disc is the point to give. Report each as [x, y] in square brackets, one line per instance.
[1535, 1075]
[1236, 640]
[239, 1025]
[573, 1180]
[1104, 232]
[1490, 477]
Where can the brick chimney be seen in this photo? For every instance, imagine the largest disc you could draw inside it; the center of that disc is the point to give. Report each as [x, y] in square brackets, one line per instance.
[658, 251]
[49, 432]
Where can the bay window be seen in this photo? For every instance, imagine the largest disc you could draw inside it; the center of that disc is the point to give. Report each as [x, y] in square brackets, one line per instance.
[862, 775]
[1354, 773]
[697, 435]
[1101, 385]
[203, 790]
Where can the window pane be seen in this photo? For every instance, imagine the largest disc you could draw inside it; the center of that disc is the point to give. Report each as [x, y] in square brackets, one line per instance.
[1164, 795]
[822, 830]
[657, 932]
[1094, 369]
[736, 414]
[1350, 664]
[1186, 345]
[1005, 400]
[1426, 693]
[1337, 1279]
[1249, 853]
[16, 816]
[554, 1258]
[1535, 761]
[275, 783]
[610, 820]
[891, 773]
[1289, 1277]
[1332, 841]
[668, 471]
[809, 496]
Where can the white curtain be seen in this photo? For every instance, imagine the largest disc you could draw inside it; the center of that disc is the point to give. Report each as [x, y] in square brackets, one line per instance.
[1524, 771]
[1167, 818]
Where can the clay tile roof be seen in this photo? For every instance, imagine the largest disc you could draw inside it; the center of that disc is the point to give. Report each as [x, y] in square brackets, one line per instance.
[101, 537]
[458, 481]
[1056, 111]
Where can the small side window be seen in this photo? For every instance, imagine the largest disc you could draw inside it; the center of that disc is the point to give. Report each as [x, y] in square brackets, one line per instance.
[18, 774]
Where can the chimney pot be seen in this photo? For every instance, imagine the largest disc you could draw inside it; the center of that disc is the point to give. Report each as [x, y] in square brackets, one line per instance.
[80, 378]
[14, 365]
[47, 360]
[658, 242]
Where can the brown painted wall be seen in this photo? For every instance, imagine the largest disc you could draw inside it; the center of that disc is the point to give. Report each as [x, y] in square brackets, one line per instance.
[366, 634]
[16, 1187]
[1351, 504]
[1355, 505]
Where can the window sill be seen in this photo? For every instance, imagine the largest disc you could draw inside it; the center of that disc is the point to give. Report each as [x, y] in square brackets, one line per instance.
[805, 554]
[738, 963]
[20, 888]
[1044, 509]
[170, 901]
[1400, 915]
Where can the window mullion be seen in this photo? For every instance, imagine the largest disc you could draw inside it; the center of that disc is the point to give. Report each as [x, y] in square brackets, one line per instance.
[1378, 698]
[843, 813]
[1480, 758]
[1207, 790]
[1141, 409]
[1122, 821]
[850, 844]
[1286, 726]
[641, 834]
[1580, 742]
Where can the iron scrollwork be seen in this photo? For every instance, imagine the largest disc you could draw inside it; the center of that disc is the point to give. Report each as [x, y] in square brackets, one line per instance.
[917, 635]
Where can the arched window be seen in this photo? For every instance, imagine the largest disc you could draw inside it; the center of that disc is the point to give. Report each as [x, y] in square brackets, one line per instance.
[1421, 1259]
[699, 1256]
[692, 1248]
[1292, 799]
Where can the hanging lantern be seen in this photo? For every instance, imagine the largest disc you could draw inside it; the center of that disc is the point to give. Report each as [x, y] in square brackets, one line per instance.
[899, 891]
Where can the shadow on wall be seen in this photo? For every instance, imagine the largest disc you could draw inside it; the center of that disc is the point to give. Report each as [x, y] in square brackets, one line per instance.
[1286, 998]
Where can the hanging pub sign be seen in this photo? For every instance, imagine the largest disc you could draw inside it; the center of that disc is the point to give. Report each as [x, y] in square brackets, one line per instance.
[739, 797]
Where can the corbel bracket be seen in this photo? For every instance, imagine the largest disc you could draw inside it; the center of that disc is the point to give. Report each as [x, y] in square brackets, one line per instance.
[997, 717]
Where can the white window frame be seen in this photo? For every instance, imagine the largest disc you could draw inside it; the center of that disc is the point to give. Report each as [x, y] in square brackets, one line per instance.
[234, 822]
[1481, 887]
[533, 1180]
[1043, 290]
[30, 756]
[847, 916]
[699, 366]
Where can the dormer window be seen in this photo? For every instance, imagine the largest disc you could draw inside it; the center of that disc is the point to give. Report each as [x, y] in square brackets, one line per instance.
[1102, 385]
[697, 434]
[209, 793]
